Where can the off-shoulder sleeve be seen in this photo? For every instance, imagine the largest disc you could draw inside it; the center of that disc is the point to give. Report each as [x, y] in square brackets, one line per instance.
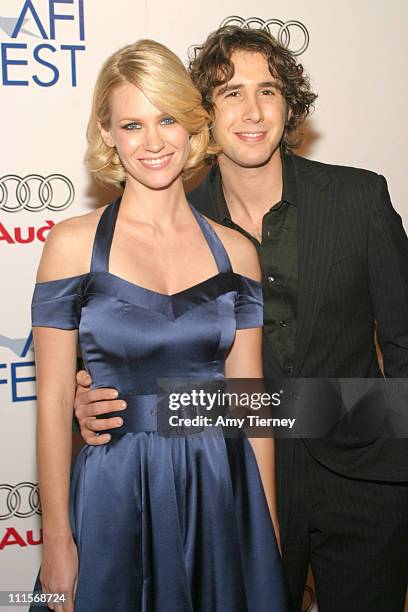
[249, 303]
[57, 303]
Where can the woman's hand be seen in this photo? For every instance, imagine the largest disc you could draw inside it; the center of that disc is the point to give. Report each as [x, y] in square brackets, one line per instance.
[59, 573]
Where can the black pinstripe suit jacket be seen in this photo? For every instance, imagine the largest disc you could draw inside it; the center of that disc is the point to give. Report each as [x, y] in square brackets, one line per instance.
[353, 276]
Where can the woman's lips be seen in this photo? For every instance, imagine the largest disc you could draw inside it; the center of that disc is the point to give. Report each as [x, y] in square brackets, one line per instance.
[156, 163]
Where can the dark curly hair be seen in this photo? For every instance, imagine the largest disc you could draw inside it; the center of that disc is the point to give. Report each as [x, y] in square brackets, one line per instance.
[211, 66]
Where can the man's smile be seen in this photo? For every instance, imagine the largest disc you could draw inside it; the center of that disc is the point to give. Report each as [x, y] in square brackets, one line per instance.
[251, 136]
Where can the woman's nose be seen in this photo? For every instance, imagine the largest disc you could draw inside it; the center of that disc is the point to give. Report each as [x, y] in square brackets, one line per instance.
[154, 140]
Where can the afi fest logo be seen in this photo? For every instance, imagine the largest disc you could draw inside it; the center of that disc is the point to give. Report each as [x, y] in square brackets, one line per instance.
[18, 376]
[292, 35]
[41, 42]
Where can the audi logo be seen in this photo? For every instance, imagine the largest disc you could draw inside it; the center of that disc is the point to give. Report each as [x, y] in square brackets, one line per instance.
[21, 501]
[35, 193]
[284, 32]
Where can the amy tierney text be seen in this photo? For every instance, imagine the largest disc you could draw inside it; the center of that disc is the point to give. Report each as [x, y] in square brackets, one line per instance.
[250, 420]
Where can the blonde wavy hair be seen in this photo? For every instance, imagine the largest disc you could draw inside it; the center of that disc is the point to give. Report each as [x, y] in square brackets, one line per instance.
[160, 74]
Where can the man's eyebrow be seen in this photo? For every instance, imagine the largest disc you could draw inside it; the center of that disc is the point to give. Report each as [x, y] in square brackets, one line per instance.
[269, 84]
[237, 86]
[226, 87]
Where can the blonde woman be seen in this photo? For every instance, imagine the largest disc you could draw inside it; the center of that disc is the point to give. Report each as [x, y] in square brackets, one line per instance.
[151, 289]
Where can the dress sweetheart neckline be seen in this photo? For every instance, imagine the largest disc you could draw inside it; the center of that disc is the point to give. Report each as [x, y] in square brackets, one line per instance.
[146, 289]
[164, 295]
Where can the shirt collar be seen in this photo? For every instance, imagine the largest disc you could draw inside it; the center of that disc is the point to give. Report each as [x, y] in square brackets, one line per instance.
[289, 194]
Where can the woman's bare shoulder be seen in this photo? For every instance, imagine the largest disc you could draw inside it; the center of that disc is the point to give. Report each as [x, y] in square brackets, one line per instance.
[68, 248]
[242, 253]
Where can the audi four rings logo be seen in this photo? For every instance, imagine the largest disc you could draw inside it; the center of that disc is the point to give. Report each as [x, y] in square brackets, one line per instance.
[21, 501]
[285, 32]
[35, 193]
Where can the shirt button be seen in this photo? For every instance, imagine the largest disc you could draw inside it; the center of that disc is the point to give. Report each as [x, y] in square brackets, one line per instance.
[153, 412]
[283, 323]
[268, 233]
[288, 370]
[271, 279]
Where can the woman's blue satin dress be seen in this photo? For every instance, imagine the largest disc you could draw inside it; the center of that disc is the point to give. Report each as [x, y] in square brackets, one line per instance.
[164, 524]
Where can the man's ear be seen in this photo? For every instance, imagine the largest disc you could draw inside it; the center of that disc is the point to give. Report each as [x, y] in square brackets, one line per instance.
[106, 135]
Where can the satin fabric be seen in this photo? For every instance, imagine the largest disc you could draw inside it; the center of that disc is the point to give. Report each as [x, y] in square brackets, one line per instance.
[164, 524]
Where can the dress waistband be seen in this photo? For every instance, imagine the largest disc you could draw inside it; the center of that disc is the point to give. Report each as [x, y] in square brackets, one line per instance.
[141, 415]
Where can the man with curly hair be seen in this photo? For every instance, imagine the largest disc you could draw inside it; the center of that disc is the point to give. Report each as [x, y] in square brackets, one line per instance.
[334, 258]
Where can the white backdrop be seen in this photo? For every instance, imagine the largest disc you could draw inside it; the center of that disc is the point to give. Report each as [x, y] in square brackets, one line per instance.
[357, 57]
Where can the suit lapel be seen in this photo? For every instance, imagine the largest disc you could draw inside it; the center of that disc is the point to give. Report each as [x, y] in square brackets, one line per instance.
[316, 236]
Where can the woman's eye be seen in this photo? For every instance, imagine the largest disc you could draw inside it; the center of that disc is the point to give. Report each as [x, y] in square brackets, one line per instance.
[268, 92]
[232, 94]
[131, 126]
[167, 121]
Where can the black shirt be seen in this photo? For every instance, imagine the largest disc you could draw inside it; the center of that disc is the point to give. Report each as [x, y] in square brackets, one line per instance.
[277, 253]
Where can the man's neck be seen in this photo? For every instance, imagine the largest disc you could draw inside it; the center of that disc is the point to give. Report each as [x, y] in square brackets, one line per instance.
[251, 192]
